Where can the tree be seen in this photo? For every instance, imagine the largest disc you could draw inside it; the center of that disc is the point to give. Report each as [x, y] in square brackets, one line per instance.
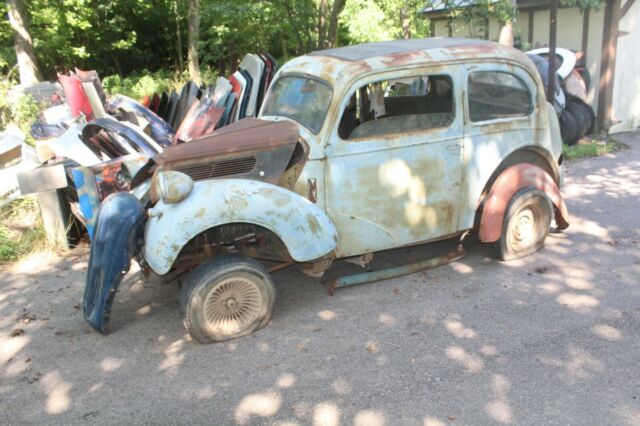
[194, 35]
[29, 73]
[336, 10]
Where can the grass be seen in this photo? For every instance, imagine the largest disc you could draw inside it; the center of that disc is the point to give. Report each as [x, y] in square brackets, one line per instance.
[21, 230]
[592, 148]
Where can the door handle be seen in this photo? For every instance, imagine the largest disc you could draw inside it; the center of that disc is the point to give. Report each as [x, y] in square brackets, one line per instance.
[453, 147]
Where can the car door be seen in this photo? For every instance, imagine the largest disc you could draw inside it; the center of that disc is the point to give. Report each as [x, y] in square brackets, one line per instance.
[393, 166]
[501, 116]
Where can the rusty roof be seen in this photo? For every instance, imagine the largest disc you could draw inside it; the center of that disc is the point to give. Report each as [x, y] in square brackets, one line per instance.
[340, 66]
[385, 48]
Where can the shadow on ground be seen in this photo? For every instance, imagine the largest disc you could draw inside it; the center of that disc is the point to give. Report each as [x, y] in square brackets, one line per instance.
[549, 339]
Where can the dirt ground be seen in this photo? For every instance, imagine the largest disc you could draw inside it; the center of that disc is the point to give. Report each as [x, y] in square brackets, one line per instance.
[551, 339]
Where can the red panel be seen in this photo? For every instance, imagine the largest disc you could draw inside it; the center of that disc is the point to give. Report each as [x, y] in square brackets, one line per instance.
[76, 98]
[508, 183]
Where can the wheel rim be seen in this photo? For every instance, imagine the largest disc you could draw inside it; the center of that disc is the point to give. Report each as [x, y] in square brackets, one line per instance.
[232, 306]
[525, 227]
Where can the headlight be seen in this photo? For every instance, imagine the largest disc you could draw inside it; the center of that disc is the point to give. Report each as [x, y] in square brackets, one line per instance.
[173, 187]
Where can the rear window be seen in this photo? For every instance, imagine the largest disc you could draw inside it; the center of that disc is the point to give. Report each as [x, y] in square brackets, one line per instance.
[494, 95]
[305, 100]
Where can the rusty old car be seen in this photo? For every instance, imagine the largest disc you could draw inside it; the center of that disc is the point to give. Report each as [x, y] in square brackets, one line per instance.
[355, 150]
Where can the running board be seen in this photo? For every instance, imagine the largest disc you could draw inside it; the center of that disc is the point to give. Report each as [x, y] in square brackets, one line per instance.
[385, 274]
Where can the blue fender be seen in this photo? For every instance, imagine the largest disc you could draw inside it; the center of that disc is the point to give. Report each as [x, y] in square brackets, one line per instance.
[114, 243]
[305, 230]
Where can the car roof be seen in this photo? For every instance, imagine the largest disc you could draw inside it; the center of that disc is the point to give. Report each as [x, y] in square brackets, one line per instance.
[385, 48]
[342, 65]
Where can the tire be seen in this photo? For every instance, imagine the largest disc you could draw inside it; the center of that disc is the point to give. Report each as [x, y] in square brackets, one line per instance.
[583, 119]
[591, 116]
[225, 298]
[568, 127]
[525, 226]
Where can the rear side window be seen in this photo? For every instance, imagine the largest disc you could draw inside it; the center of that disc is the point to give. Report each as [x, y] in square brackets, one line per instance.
[389, 107]
[494, 95]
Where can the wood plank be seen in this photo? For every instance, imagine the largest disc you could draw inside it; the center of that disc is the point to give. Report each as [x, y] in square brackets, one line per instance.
[42, 179]
[608, 64]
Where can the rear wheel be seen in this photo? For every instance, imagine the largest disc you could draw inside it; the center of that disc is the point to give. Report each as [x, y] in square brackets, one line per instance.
[226, 298]
[525, 226]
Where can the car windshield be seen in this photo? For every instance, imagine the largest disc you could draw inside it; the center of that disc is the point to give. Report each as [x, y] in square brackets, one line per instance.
[305, 100]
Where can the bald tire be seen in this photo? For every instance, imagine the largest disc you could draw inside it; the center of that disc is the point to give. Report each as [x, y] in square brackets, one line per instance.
[525, 226]
[222, 289]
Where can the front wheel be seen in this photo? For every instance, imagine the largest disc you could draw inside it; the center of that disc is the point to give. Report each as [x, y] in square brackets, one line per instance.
[226, 298]
[525, 226]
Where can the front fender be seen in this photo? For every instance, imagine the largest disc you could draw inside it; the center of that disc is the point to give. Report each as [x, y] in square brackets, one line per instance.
[114, 242]
[306, 231]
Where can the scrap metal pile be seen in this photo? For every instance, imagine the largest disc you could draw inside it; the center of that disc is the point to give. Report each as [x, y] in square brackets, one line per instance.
[572, 84]
[92, 145]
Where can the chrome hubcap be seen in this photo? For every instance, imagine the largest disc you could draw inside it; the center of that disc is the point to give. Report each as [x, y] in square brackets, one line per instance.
[523, 229]
[232, 305]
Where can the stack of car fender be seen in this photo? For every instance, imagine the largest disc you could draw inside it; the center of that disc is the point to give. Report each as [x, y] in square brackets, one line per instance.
[572, 83]
[95, 139]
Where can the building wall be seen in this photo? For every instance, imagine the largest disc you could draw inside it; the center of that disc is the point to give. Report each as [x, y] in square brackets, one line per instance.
[626, 88]
[626, 92]
[569, 36]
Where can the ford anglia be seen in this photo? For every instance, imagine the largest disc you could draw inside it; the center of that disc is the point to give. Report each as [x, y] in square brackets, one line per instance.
[355, 150]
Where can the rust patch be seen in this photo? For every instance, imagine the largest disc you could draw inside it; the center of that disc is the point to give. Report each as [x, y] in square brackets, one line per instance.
[312, 190]
[314, 225]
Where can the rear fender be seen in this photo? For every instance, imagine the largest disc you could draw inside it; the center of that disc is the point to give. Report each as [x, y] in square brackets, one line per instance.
[508, 183]
[305, 230]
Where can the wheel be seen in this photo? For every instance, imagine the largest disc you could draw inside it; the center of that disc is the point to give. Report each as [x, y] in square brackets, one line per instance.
[225, 298]
[526, 224]
[568, 127]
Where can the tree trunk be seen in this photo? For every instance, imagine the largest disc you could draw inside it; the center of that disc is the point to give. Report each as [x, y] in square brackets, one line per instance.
[178, 36]
[405, 22]
[194, 35]
[322, 24]
[336, 10]
[506, 32]
[29, 73]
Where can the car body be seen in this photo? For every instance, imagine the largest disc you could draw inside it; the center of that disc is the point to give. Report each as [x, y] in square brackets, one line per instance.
[355, 150]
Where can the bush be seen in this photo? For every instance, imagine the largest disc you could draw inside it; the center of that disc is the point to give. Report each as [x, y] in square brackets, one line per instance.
[22, 111]
[137, 86]
[21, 230]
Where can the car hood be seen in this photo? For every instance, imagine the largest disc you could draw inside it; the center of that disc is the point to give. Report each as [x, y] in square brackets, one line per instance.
[247, 135]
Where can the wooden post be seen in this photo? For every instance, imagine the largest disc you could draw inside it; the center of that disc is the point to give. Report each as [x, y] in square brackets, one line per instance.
[608, 64]
[553, 17]
[585, 33]
[530, 32]
[57, 219]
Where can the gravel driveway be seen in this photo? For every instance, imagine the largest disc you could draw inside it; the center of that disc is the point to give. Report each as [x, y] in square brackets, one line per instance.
[551, 339]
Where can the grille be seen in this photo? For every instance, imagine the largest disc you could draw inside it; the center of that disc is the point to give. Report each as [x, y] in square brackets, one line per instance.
[220, 168]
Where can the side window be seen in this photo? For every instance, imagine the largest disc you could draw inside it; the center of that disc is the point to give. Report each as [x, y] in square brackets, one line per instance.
[494, 94]
[394, 106]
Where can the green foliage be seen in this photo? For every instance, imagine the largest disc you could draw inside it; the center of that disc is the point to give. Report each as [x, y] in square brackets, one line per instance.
[137, 86]
[478, 13]
[584, 4]
[594, 148]
[21, 230]
[21, 111]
